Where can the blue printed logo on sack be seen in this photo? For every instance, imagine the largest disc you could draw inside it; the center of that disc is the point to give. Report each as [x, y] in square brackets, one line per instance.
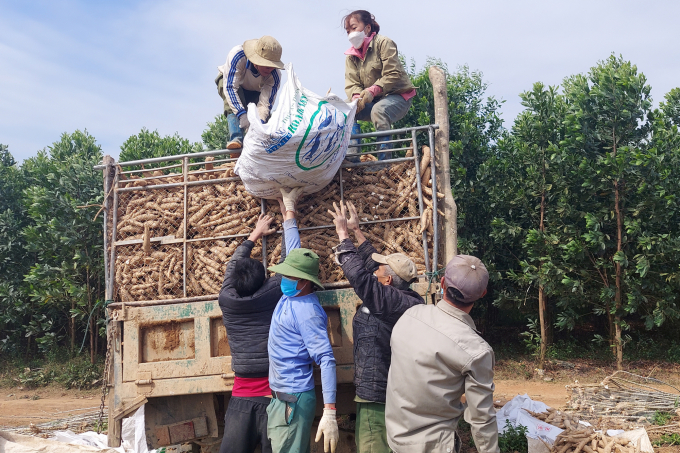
[327, 131]
[280, 138]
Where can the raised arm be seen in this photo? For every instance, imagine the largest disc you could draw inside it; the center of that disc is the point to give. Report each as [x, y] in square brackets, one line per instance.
[262, 228]
[287, 203]
[385, 302]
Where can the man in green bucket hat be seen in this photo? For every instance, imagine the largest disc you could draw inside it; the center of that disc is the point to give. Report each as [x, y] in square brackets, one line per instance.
[297, 339]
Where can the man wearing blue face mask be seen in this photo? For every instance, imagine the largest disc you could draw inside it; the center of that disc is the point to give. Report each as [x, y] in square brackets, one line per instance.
[297, 339]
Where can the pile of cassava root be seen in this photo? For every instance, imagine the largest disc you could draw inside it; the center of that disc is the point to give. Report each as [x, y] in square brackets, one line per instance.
[577, 438]
[153, 269]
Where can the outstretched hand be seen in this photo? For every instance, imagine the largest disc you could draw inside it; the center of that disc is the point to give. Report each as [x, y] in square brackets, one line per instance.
[262, 227]
[340, 220]
[290, 197]
[353, 220]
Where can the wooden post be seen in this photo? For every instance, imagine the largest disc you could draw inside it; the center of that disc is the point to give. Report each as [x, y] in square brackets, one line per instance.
[449, 231]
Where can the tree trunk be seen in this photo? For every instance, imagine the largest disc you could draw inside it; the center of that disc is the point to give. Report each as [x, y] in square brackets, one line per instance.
[542, 299]
[72, 327]
[619, 241]
[92, 344]
[619, 270]
[542, 303]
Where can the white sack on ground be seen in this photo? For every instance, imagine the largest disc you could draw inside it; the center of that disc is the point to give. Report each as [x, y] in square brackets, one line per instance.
[513, 412]
[641, 434]
[17, 443]
[302, 145]
[512, 409]
[89, 438]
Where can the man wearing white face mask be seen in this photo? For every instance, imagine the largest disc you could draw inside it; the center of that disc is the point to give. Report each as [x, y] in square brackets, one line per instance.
[374, 75]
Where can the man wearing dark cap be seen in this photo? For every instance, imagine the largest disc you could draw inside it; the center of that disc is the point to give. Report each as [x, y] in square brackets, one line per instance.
[448, 358]
[250, 75]
[382, 282]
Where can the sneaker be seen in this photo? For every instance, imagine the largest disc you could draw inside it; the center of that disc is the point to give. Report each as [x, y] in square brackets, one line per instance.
[236, 143]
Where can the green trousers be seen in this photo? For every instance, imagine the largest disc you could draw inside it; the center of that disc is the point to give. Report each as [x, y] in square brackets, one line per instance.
[370, 433]
[289, 425]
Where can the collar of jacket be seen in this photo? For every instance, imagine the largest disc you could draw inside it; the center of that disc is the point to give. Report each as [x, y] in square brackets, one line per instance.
[458, 314]
[252, 68]
[361, 53]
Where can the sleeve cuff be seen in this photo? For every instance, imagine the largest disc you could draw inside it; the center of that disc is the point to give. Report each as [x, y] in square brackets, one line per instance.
[346, 245]
[375, 90]
[329, 397]
[290, 223]
[242, 112]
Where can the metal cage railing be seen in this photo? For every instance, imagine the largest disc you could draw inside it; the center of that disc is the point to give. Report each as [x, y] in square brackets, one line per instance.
[188, 213]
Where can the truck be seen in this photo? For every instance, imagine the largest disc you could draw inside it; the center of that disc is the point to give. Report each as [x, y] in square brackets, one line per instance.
[169, 230]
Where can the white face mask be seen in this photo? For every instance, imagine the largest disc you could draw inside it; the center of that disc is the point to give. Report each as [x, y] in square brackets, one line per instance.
[356, 38]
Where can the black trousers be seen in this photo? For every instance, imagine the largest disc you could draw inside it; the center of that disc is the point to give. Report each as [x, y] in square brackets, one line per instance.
[245, 425]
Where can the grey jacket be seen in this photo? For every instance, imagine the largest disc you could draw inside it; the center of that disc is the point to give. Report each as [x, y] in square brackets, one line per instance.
[437, 356]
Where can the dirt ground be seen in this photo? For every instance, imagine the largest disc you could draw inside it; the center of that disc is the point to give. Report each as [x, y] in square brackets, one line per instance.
[23, 407]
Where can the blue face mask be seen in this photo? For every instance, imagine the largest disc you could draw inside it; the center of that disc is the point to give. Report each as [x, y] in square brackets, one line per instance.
[289, 287]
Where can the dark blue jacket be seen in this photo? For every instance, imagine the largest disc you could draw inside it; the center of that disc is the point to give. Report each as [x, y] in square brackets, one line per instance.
[247, 319]
[374, 320]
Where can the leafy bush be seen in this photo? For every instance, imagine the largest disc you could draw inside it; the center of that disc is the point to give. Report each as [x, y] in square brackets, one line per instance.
[667, 440]
[513, 439]
[33, 378]
[58, 368]
[661, 418]
[81, 375]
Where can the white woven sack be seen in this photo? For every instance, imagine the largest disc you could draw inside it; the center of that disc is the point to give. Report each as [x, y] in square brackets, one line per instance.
[302, 145]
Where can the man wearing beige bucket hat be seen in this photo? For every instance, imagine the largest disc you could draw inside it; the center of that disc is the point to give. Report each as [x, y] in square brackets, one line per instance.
[250, 75]
[449, 358]
[382, 282]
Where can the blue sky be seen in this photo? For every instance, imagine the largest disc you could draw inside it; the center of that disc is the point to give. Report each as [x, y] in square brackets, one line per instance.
[115, 67]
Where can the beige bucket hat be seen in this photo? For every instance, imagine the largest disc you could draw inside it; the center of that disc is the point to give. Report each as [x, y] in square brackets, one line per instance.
[265, 51]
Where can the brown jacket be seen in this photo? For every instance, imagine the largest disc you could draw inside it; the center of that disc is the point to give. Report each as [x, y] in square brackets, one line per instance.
[428, 377]
[381, 66]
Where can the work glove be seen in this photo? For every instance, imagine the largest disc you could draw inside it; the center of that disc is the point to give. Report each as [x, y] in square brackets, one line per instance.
[328, 426]
[243, 121]
[290, 197]
[263, 112]
[365, 97]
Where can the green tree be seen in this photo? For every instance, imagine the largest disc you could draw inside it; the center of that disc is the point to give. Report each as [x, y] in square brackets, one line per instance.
[14, 258]
[216, 134]
[671, 108]
[607, 123]
[146, 145]
[528, 193]
[63, 195]
[475, 125]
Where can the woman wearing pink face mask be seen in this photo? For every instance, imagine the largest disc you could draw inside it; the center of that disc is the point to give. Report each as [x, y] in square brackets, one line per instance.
[374, 74]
